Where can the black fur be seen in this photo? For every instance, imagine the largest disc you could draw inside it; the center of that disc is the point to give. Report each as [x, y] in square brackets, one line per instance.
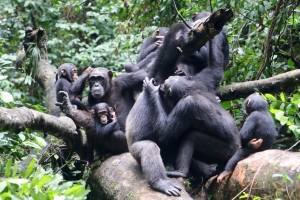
[195, 119]
[73, 87]
[258, 125]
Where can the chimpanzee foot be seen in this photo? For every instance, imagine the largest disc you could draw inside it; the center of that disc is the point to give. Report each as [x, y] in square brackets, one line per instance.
[176, 174]
[222, 176]
[166, 187]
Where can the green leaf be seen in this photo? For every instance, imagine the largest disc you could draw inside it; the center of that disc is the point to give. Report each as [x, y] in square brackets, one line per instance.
[279, 114]
[290, 62]
[6, 97]
[271, 97]
[31, 144]
[282, 97]
[30, 168]
[40, 141]
[8, 166]
[18, 181]
[15, 169]
[3, 77]
[3, 185]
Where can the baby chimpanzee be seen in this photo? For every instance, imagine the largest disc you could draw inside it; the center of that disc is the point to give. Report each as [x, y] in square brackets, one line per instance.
[67, 80]
[105, 119]
[108, 138]
[257, 134]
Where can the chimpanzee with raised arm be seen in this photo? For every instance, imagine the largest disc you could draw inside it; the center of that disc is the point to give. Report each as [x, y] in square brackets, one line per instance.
[67, 80]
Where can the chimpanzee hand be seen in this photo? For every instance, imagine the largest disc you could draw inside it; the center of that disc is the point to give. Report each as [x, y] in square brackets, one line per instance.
[65, 105]
[89, 70]
[178, 72]
[255, 143]
[149, 86]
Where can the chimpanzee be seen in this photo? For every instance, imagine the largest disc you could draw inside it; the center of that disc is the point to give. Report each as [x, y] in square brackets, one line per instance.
[149, 46]
[105, 120]
[215, 51]
[257, 134]
[67, 80]
[103, 135]
[196, 119]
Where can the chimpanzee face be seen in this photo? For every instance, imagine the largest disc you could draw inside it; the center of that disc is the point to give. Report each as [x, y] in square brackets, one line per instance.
[103, 116]
[100, 82]
[74, 74]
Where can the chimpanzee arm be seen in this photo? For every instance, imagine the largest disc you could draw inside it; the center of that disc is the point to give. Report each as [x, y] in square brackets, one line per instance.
[109, 128]
[179, 120]
[132, 81]
[247, 131]
[148, 50]
[77, 86]
[80, 117]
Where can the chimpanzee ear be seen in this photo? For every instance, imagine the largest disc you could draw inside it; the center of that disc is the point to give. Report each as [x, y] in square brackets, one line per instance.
[92, 112]
[248, 103]
[156, 33]
[193, 17]
[63, 72]
[110, 74]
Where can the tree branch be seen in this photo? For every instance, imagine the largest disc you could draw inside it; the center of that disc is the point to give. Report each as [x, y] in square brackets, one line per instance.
[19, 119]
[283, 82]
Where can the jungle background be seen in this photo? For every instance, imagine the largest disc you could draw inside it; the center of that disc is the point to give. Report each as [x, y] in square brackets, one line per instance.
[262, 34]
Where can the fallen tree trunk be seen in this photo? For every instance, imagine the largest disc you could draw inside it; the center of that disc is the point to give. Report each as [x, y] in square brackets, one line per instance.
[261, 174]
[283, 82]
[269, 174]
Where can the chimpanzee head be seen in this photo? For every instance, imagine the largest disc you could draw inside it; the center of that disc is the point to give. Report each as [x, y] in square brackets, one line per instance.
[67, 71]
[254, 102]
[101, 113]
[161, 31]
[100, 82]
[175, 88]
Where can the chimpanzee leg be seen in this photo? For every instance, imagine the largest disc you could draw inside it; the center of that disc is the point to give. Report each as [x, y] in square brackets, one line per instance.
[147, 154]
[203, 170]
[205, 146]
[239, 155]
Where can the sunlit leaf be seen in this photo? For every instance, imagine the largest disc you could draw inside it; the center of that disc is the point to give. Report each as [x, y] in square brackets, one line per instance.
[6, 97]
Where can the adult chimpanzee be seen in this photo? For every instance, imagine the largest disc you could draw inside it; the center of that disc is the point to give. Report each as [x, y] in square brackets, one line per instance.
[196, 119]
[215, 51]
[67, 80]
[149, 46]
[257, 134]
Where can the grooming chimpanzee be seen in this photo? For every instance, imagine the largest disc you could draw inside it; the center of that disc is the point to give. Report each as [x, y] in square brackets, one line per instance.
[149, 46]
[67, 80]
[215, 51]
[196, 119]
[257, 134]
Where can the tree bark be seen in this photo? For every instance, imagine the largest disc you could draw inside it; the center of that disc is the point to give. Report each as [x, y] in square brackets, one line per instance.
[262, 174]
[286, 82]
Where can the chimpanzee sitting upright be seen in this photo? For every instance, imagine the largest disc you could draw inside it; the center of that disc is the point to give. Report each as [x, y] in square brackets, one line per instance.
[196, 119]
[67, 80]
[103, 131]
[149, 46]
[105, 119]
[257, 134]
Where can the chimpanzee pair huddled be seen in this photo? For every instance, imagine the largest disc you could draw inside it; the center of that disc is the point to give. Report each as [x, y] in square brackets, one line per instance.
[180, 114]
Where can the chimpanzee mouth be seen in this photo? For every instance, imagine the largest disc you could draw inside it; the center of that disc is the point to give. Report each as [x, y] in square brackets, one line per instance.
[97, 94]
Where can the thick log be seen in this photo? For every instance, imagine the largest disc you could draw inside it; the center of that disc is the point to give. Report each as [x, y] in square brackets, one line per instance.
[120, 177]
[206, 30]
[262, 174]
[283, 82]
